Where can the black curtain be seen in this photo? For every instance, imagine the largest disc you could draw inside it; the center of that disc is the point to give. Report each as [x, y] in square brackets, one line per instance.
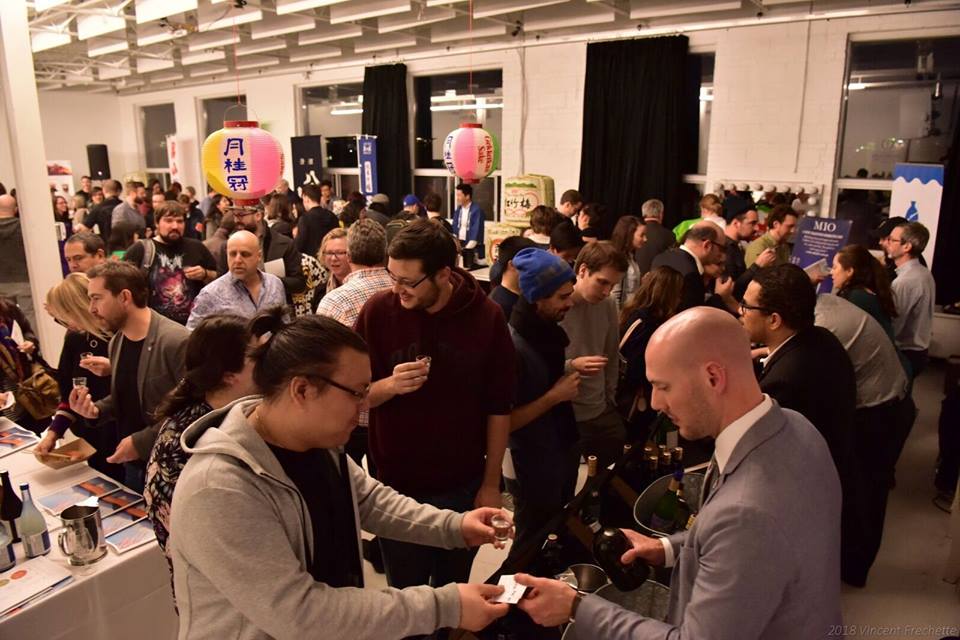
[385, 116]
[634, 138]
[946, 259]
[423, 125]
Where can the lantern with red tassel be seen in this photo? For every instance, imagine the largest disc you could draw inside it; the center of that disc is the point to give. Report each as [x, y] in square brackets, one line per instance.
[471, 153]
[242, 161]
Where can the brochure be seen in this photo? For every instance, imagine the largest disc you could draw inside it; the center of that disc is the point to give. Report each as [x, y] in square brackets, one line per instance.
[29, 580]
[132, 537]
[94, 486]
[14, 438]
[122, 519]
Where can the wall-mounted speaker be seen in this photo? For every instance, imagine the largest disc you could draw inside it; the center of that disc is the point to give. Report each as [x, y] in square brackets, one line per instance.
[99, 161]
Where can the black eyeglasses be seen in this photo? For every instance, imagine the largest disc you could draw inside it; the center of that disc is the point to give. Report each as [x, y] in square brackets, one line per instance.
[406, 283]
[359, 395]
[749, 307]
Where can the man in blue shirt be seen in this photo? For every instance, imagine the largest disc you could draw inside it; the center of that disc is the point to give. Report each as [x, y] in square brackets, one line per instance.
[468, 221]
[244, 290]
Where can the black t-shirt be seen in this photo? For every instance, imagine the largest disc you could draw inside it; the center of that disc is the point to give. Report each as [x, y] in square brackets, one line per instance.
[505, 298]
[336, 557]
[171, 293]
[126, 391]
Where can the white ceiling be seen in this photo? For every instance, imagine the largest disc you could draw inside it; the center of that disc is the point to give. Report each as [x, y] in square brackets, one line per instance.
[142, 45]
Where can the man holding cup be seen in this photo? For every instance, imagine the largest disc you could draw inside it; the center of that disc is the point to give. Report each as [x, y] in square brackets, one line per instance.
[443, 370]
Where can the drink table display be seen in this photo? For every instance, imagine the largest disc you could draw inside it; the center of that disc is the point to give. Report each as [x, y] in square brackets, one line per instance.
[124, 595]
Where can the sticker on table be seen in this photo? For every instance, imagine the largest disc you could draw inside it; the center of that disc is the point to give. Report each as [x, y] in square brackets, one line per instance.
[95, 486]
[122, 519]
[132, 537]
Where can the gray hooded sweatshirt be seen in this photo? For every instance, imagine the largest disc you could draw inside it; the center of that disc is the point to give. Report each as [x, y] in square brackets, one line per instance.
[241, 540]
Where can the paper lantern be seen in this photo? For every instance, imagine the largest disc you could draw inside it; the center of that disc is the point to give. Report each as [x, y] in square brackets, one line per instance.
[471, 153]
[242, 161]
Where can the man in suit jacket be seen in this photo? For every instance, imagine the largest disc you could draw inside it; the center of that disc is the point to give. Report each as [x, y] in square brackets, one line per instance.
[146, 362]
[703, 247]
[659, 238]
[762, 557]
[808, 370]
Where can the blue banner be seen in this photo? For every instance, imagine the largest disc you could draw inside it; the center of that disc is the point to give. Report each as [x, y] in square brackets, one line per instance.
[916, 194]
[816, 241]
[367, 160]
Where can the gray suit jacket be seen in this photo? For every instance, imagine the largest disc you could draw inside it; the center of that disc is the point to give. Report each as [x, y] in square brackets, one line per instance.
[762, 560]
[161, 367]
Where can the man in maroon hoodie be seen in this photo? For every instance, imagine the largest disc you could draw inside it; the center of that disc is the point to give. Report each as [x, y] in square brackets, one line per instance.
[438, 426]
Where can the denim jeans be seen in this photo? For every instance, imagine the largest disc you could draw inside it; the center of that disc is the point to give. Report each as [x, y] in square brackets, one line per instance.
[408, 564]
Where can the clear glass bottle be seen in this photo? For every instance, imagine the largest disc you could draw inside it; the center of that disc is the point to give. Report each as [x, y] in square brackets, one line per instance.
[33, 528]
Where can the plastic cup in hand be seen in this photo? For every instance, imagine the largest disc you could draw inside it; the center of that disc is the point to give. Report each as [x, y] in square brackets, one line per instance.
[501, 528]
[84, 356]
[79, 381]
[425, 360]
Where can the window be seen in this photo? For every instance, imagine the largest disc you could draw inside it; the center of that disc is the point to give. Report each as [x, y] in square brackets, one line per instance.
[216, 110]
[156, 123]
[702, 65]
[336, 113]
[444, 102]
[900, 105]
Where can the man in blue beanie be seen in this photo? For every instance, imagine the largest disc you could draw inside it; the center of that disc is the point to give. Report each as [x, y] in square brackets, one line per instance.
[543, 429]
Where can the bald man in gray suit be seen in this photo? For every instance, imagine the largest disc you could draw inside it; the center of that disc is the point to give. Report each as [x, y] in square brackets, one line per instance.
[762, 560]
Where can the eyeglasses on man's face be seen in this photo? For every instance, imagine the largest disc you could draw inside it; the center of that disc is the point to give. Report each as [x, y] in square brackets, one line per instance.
[403, 282]
[359, 396]
[749, 307]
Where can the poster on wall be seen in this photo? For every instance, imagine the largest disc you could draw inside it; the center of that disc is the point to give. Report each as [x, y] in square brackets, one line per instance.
[173, 160]
[60, 177]
[367, 162]
[816, 241]
[916, 194]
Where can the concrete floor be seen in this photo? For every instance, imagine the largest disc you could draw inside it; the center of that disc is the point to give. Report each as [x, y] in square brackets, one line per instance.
[905, 597]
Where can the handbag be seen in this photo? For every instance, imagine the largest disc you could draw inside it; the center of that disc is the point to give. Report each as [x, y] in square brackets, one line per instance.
[629, 402]
[37, 391]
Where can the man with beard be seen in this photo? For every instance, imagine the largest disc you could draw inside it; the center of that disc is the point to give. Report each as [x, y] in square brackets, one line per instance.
[275, 246]
[443, 372]
[146, 360]
[542, 425]
[176, 267]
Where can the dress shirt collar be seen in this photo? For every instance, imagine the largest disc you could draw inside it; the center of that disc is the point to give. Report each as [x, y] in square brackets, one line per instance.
[684, 247]
[908, 265]
[365, 272]
[764, 361]
[729, 437]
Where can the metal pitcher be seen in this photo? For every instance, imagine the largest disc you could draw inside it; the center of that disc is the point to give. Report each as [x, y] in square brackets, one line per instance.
[82, 540]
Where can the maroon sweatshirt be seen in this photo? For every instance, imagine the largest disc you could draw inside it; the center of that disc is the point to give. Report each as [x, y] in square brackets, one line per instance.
[435, 439]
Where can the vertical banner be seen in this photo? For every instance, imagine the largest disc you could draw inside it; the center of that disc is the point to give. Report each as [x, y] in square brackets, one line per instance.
[173, 157]
[817, 240]
[307, 165]
[917, 190]
[367, 162]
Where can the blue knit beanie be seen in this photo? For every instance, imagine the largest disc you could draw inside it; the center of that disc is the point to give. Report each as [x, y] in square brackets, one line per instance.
[541, 273]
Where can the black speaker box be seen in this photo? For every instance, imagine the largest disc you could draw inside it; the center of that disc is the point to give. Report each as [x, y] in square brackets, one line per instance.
[99, 161]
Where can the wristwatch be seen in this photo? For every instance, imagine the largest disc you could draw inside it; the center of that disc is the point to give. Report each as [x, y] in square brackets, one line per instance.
[577, 599]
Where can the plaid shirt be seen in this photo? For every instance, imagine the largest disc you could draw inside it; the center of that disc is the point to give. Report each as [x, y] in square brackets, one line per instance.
[344, 303]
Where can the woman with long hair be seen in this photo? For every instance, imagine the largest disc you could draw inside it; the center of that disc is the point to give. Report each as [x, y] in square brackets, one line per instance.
[656, 301]
[629, 234]
[862, 279]
[83, 355]
[279, 214]
[16, 358]
[217, 372]
[266, 517]
[590, 221]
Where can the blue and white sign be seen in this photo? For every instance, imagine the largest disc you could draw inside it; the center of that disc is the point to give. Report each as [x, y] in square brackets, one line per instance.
[917, 190]
[816, 241]
[367, 161]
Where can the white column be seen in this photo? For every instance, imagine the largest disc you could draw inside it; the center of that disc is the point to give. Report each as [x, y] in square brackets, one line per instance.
[25, 136]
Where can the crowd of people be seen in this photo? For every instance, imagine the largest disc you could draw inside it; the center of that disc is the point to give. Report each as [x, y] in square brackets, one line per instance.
[276, 378]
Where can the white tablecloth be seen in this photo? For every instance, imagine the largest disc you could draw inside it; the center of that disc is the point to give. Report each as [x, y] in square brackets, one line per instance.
[122, 596]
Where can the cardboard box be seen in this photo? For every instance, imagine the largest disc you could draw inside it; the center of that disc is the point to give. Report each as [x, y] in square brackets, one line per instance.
[79, 449]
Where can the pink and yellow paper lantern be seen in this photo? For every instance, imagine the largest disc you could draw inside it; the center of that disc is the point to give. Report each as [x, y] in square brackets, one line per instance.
[471, 153]
[242, 161]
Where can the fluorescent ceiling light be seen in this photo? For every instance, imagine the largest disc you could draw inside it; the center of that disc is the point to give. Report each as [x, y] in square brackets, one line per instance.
[345, 112]
[488, 8]
[103, 46]
[329, 33]
[43, 40]
[646, 9]
[451, 96]
[458, 30]
[252, 62]
[280, 26]
[148, 34]
[43, 5]
[856, 86]
[302, 54]
[388, 24]
[72, 78]
[362, 9]
[208, 70]
[112, 72]
[568, 16]
[382, 43]
[706, 94]
[166, 77]
[476, 106]
[289, 6]
[201, 56]
[212, 40]
[150, 10]
[97, 24]
[261, 47]
[210, 17]
[442, 3]
[147, 65]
